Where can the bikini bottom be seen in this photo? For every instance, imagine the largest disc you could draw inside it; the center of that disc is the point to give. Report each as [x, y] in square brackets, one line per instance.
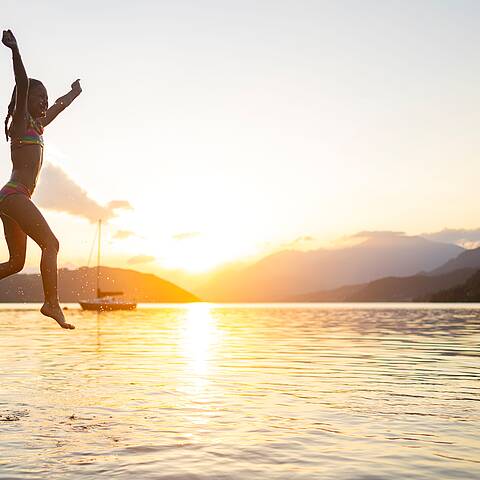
[13, 188]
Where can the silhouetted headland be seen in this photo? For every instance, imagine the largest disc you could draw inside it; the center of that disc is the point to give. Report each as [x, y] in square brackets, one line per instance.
[81, 283]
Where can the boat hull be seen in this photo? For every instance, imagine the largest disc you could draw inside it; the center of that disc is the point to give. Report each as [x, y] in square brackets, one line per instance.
[106, 306]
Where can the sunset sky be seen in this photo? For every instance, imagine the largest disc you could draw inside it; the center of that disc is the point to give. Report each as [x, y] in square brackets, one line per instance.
[232, 128]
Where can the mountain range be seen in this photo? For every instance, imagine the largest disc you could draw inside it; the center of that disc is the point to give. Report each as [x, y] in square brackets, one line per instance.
[391, 289]
[457, 280]
[381, 268]
[293, 274]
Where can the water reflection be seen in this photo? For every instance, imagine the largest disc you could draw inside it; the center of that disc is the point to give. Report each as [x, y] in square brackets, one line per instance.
[199, 336]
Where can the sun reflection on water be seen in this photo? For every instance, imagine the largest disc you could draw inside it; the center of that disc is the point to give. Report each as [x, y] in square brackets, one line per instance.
[200, 334]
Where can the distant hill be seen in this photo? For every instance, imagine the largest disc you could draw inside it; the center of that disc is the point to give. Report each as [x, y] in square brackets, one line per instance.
[295, 273]
[407, 289]
[340, 294]
[74, 285]
[468, 291]
[390, 289]
[466, 259]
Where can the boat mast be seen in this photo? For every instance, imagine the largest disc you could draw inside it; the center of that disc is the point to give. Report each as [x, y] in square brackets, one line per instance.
[98, 256]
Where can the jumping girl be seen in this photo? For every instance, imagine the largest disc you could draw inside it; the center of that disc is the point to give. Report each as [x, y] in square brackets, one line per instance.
[29, 115]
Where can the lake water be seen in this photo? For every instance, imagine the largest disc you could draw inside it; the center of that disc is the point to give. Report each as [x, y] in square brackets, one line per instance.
[242, 392]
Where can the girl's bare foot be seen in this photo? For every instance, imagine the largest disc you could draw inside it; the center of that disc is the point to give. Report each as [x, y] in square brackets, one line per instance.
[54, 311]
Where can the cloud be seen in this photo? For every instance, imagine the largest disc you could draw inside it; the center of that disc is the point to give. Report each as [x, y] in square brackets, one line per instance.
[120, 204]
[469, 245]
[298, 242]
[57, 191]
[467, 238]
[122, 234]
[140, 259]
[361, 237]
[305, 238]
[186, 235]
[377, 234]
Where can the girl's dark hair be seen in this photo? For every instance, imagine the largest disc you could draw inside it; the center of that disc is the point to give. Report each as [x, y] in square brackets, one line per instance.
[32, 82]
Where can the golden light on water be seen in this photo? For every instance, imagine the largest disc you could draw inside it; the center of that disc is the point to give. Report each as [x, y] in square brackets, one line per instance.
[200, 334]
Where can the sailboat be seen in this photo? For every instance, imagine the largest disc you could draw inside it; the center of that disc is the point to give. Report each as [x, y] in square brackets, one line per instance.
[105, 301]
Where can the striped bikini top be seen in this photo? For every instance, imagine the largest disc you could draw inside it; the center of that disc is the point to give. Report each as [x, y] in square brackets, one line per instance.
[32, 136]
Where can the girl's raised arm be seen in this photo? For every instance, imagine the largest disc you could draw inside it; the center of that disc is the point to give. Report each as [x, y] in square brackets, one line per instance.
[21, 80]
[62, 103]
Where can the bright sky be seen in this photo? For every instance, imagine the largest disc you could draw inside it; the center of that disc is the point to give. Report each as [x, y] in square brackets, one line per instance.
[233, 127]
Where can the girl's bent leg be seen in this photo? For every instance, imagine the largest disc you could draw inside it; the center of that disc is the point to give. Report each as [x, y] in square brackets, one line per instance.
[23, 211]
[17, 246]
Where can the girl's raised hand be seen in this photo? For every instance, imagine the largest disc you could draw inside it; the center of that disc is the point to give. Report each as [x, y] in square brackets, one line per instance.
[76, 86]
[9, 40]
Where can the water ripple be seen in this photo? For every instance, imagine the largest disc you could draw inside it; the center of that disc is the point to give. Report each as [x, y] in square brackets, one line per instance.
[235, 392]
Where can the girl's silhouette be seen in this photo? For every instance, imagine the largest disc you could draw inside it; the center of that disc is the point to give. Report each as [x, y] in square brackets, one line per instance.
[29, 114]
